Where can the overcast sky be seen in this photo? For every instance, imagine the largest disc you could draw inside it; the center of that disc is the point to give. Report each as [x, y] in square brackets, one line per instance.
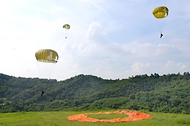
[109, 39]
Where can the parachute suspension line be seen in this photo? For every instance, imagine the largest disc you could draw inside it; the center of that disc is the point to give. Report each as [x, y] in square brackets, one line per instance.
[51, 70]
[161, 24]
[159, 27]
[39, 69]
[45, 70]
[164, 22]
[66, 35]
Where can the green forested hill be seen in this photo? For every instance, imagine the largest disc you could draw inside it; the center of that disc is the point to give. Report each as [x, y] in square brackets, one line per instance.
[167, 93]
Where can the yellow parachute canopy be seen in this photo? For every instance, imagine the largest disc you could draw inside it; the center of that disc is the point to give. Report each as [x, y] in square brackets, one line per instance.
[160, 12]
[66, 26]
[47, 55]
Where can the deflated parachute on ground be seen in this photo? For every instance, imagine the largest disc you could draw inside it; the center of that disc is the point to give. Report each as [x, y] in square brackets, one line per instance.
[160, 12]
[47, 55]
[66, 26]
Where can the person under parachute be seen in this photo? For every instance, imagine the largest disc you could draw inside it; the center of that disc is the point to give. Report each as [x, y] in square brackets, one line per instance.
[67, 27]
[46, 56]
[161, 35]
[42, 93]
[159, 13]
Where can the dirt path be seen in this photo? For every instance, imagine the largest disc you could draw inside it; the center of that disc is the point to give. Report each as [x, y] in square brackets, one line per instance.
[132, 116]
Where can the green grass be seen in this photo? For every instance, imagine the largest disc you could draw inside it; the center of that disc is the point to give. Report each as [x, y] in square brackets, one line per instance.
[60, 119]
[107, 116]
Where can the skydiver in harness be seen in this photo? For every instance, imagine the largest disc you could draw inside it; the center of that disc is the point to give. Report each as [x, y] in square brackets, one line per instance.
[42, 93]
[161, 35]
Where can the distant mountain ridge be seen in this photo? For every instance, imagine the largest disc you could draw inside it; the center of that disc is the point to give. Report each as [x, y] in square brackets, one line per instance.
[166, 93]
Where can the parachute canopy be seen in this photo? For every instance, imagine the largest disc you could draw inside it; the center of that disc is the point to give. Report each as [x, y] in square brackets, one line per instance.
[66, 26]
[47, 55]
[160, 12]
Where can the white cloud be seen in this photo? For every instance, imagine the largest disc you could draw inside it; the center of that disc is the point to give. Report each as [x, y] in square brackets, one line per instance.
[174, 67]
[140, 68]
[96, 33]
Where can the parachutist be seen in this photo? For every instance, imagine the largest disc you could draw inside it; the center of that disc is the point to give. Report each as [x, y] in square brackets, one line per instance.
[160, 13]
[161, 35]
[42, 93]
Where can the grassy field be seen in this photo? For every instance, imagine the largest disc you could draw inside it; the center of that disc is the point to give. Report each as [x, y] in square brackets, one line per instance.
[60, 119]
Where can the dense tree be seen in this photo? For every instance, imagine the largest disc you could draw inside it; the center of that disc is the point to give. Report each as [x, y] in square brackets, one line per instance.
[166, 93]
